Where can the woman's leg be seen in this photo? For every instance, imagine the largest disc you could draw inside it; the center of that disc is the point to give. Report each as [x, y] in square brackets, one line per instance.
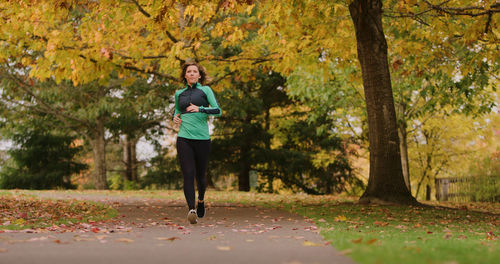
[201, 158]
[186, 155]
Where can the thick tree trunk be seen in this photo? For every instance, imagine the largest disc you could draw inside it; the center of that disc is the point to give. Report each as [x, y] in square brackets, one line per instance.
[99, 150]
[385, 183]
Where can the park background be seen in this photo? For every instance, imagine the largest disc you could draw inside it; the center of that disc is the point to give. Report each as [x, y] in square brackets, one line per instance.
[87, 95]
[312, 93]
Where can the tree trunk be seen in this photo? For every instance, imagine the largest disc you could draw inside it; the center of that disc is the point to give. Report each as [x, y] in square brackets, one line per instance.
[99, 150]
[403, 147]
[385, 183]
[244, 175]
[244, 178]
[133, 158]
[270, 176]
[130, 157]
[210, 181]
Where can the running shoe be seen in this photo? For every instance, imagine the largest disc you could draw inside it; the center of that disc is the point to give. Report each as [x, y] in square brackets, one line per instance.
[200, 210]
[192, 217]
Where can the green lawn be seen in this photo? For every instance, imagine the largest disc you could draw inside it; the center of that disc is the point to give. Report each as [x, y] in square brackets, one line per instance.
[375, 234]
[394, 234]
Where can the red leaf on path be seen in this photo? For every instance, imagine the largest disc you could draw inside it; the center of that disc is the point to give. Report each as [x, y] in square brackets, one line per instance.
[95, 229]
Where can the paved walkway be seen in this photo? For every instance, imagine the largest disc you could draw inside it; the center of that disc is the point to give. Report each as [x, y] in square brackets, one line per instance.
[156, 231]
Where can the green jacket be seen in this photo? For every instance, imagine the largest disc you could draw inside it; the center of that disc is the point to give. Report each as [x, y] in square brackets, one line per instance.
[195, 125]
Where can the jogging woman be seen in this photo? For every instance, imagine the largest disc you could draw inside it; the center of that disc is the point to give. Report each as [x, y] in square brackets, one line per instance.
[193, 104]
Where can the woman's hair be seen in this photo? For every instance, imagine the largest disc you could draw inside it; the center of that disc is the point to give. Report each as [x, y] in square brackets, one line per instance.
[203, 73]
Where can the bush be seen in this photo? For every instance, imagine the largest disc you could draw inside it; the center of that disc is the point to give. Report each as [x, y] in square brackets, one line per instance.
[166, 174]
[118, 182]
[485, 185]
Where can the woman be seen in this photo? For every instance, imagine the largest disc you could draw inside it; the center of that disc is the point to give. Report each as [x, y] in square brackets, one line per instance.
[193, 104]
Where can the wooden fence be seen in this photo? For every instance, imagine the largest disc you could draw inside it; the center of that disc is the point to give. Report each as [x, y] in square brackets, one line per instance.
[453, 189]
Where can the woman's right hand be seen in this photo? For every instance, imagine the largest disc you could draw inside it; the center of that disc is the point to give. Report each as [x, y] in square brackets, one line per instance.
[177, 119]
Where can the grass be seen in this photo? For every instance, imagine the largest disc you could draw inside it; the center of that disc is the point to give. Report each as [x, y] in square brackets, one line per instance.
[395, 234]
[377, 234]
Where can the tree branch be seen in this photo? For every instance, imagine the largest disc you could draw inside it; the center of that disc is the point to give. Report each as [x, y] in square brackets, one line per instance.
[145, 13]
[48, 107]
[472, 11]
[171, 37]
[140, 8]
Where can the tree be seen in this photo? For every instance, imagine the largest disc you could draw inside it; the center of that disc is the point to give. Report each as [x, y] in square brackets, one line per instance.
[86, 41]
[321, 22]
[41, 159]
[96, 44]
[90, 110]
[386, 180]
[242, 136]
[308, 154]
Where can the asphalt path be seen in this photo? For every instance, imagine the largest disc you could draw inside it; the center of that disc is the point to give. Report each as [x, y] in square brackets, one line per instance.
[156, 231]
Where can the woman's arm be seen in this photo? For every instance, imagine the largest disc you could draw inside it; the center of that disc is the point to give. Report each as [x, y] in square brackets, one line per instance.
[214, 108]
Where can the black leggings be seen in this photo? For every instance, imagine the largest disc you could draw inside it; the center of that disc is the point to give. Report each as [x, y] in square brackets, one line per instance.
[193, 158]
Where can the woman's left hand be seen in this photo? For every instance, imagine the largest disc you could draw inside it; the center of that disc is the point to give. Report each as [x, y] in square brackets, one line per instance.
[192, 108]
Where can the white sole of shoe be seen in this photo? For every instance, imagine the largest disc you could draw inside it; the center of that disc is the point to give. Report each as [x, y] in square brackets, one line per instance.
[192, 217]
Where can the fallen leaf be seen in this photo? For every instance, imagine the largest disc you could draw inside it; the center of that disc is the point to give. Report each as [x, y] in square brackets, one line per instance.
[357, 241]
[340, 218]
[223, 248]
[491, 236]
[379, 223]
[311, 244]
[3, 250]
[371, 241]
[125, 240]
[78, 238]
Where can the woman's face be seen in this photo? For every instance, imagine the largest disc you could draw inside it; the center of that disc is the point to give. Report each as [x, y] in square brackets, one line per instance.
[192, 74]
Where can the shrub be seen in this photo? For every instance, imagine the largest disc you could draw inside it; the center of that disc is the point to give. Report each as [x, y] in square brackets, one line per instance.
[485, 184]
